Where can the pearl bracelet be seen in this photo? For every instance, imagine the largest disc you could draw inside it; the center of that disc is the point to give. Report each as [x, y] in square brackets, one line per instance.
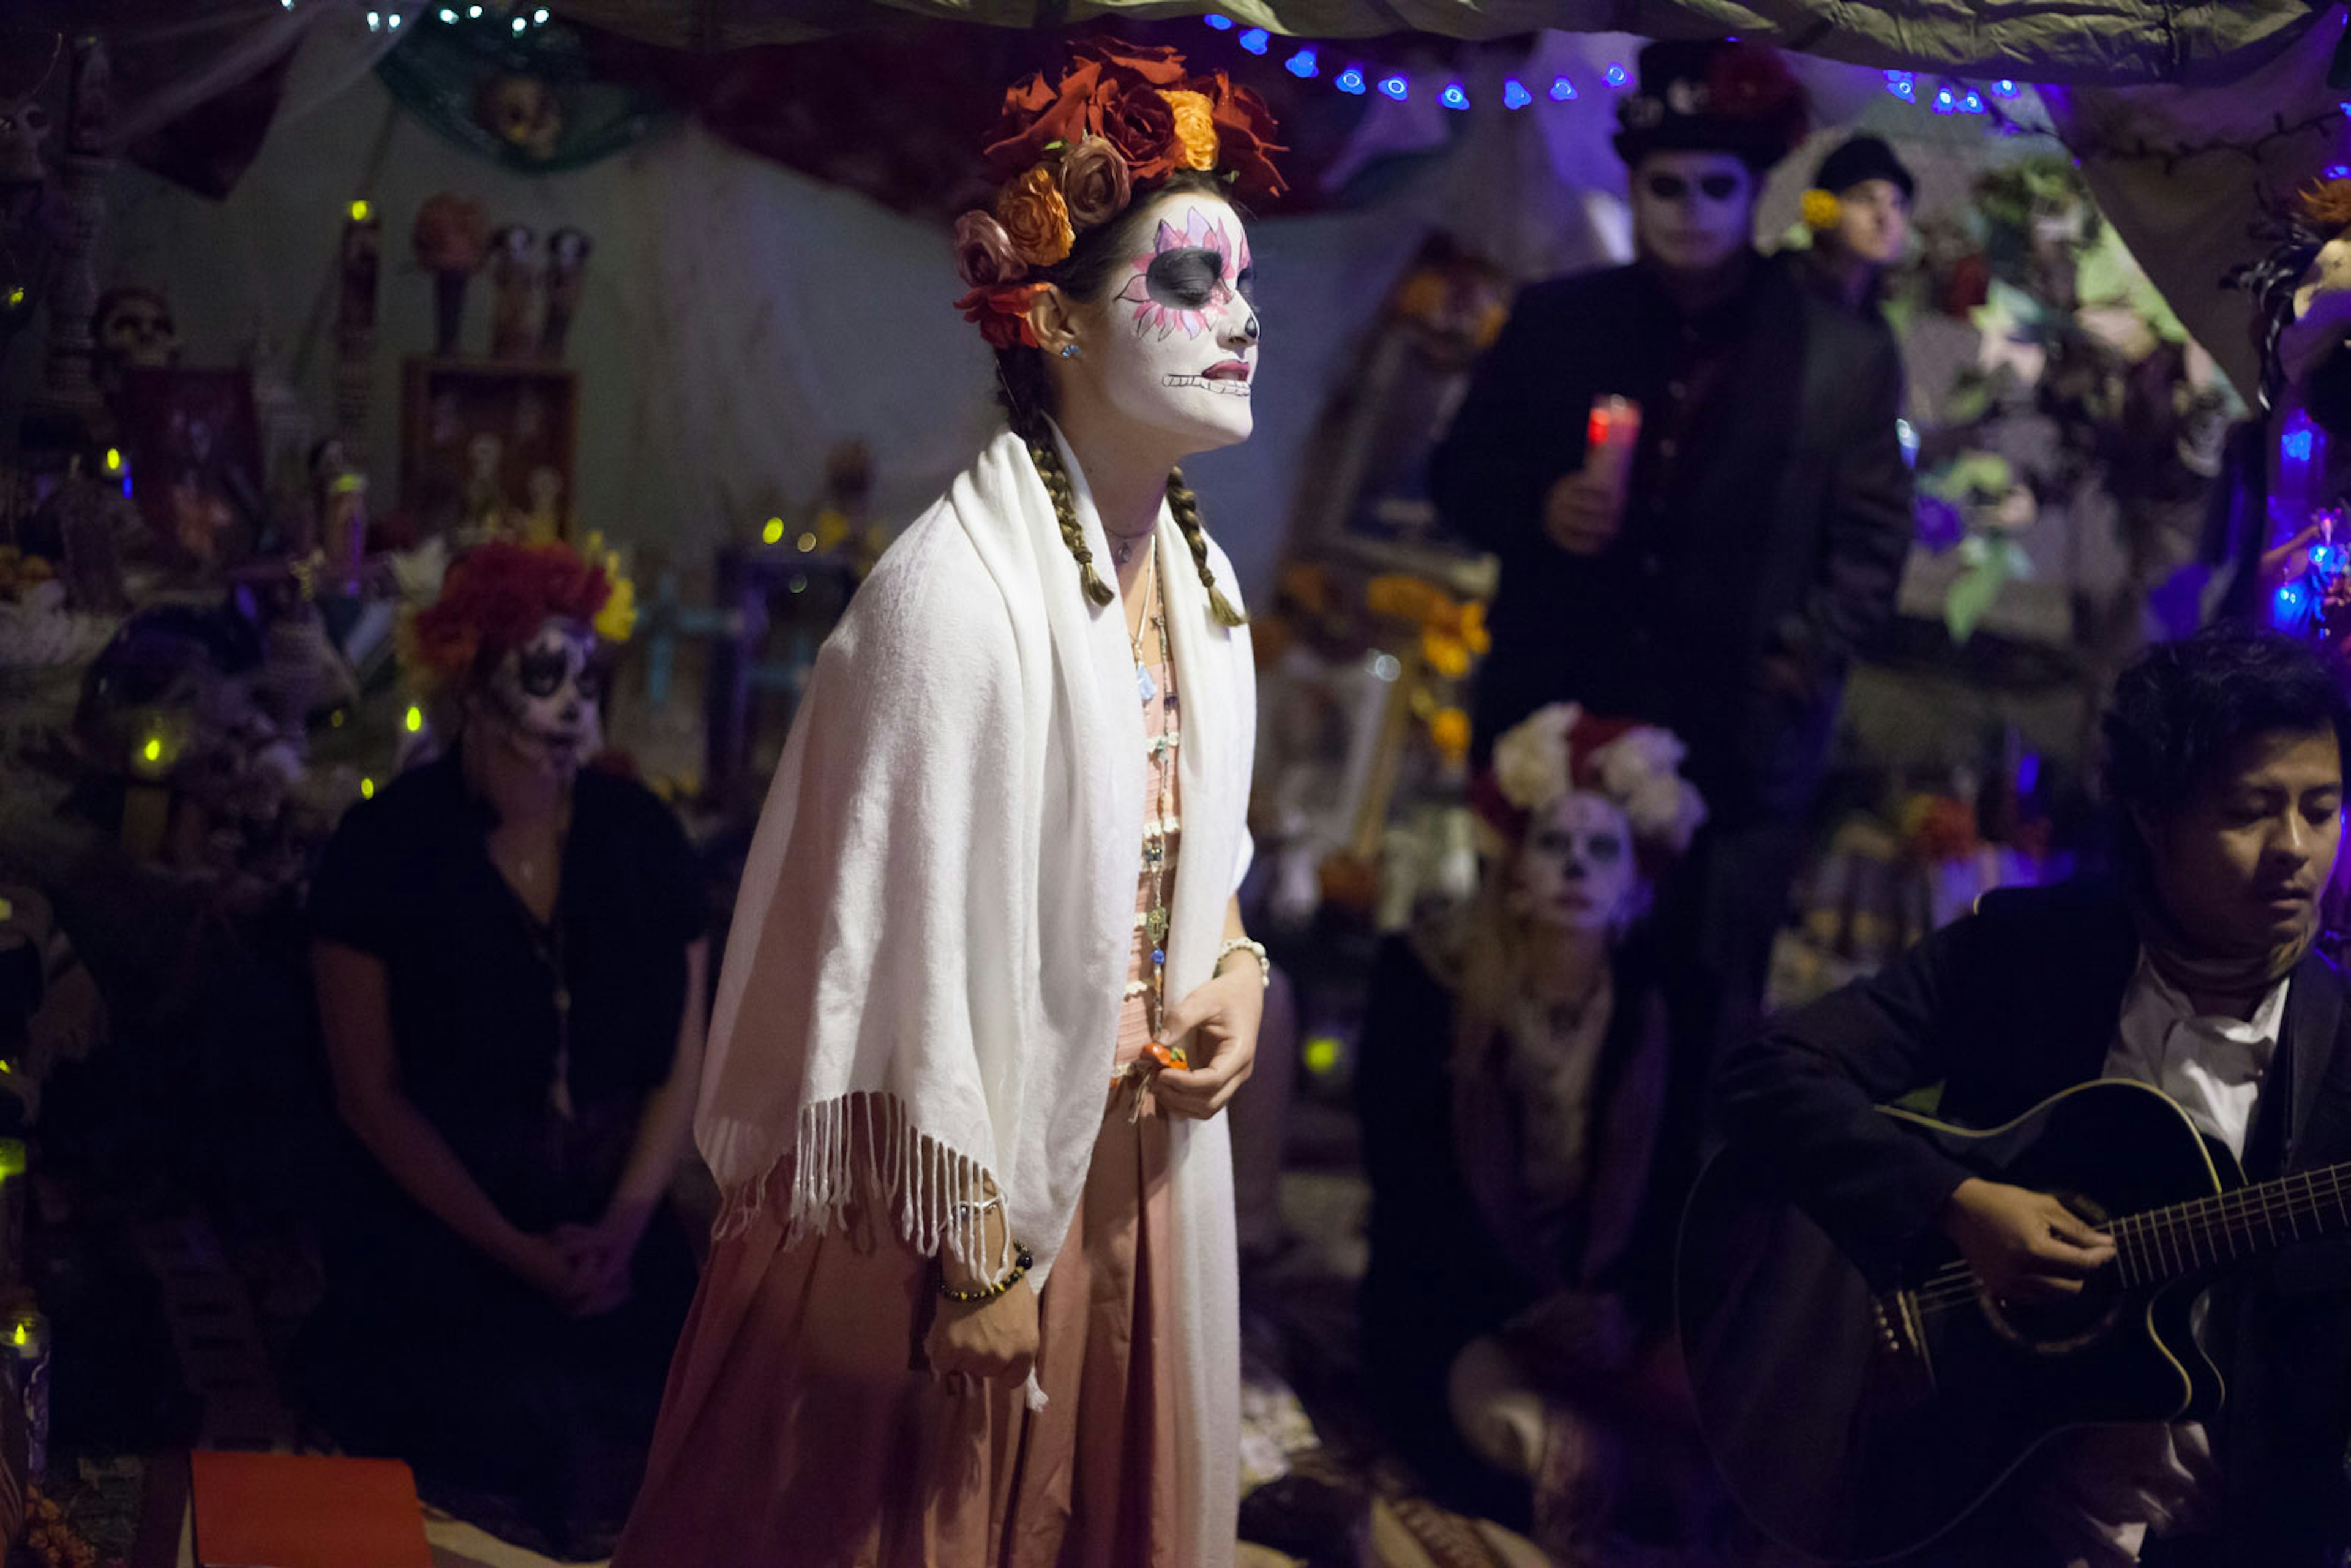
[1254, 949]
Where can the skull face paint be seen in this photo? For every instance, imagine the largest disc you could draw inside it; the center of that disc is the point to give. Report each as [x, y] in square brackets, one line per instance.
[1575, 868]
[543, 699]
[1692, 212]
[1181, 350]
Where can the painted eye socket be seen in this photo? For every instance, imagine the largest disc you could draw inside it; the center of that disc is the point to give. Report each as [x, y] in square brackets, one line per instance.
[1246, 284]
[541, 672]
[1185, 279]
[1606, 849]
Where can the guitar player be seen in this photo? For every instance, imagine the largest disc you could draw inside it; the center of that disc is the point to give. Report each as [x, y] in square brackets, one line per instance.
[2197, 972]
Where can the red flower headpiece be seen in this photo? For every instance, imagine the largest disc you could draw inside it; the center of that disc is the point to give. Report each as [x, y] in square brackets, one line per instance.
[1072, 156]
[493, 602]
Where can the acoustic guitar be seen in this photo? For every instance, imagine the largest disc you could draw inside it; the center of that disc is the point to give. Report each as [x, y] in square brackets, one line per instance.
[1859, 1423]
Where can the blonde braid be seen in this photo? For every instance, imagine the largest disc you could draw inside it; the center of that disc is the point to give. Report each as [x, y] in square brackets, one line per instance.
[1185, 506]
[1065, 508]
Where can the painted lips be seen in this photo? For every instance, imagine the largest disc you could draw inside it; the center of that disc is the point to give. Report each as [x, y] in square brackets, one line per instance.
[1226, 370]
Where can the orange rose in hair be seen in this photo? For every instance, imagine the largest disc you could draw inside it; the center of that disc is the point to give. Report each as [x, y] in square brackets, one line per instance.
[1161, 65]
[1035, 116]
[1244, 136]
[985, 255]
[1196, 128]
[1035, 216]
[1001, 313]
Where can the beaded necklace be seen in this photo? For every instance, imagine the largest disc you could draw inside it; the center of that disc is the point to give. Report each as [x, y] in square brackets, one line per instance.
[1161, 821]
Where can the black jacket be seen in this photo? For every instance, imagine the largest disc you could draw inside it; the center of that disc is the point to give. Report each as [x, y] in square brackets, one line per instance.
[1784, 532]
[2004, 1008]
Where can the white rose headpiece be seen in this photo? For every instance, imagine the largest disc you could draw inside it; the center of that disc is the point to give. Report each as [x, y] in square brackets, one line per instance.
[1561, 748]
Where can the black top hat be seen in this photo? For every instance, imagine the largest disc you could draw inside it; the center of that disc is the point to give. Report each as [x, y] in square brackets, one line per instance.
[1863, 158]
[1717, 97]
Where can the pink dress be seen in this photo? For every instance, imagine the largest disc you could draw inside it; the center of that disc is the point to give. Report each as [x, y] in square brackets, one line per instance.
[801, 1428]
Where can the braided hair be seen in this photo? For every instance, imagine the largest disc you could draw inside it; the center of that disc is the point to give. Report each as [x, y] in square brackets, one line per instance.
[1026, 390]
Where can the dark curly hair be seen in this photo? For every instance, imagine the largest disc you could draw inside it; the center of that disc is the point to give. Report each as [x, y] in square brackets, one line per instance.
[1025, 390]
[2184, 708]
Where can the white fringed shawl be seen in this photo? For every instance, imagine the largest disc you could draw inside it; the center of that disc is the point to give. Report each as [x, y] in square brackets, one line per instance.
[932, 935]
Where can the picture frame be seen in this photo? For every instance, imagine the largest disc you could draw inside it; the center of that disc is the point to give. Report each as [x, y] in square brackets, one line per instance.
[488, 447]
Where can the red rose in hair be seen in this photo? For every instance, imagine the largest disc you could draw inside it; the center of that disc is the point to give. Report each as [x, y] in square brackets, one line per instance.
[1001, 313]
[1132, 116]
[1035, 116]
[1161, 65]
[1244, 136]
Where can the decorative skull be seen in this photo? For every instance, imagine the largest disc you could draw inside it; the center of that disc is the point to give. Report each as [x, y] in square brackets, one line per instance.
[133, 327]
[24, 127]
[521, 111]
[543, 699]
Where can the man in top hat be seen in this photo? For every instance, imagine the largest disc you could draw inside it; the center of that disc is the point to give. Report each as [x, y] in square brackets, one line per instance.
[1859, 211]
[1715, 578]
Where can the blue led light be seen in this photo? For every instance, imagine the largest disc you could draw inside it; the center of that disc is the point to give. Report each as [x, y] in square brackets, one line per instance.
[2296, 444]
[1562, 91]
[2291, 603]
[1454, 96]
[1301, 64]
[2003, 88]
[1902, 85]
[1395, 88]
[1218, 20]
[1256, 39]
[2326, 559]
[1971, 104]
[1352, 81]
[2028, 773]
[1944, 102]
[2339, 171]
[1515, 94]
[1615, 76]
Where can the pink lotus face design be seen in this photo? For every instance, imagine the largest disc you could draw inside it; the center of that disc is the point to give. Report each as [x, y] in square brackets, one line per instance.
[1192, 277]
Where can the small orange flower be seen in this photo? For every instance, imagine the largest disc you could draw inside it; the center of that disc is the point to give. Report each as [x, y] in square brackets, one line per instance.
[1032, 210]
[1821, 209]
[1196, 128]
[1449, 728]
[1405, 597]
[1447, 655]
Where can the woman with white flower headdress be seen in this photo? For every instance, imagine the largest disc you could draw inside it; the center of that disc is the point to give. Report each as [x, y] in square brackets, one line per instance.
[1512, 1087]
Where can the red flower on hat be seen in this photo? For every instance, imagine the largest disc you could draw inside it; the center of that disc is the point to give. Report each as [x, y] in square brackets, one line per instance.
[1160, 65]
[1001, 313]
[1133, 117]
[493, 601]
[1746, 81]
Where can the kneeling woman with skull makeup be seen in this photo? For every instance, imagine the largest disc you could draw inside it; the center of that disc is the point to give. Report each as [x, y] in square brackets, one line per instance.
[974, 1299]
[509, 955]
[1512, 1086]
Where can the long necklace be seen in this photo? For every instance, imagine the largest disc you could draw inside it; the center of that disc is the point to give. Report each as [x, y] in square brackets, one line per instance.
[547, 944]
[1161, 823]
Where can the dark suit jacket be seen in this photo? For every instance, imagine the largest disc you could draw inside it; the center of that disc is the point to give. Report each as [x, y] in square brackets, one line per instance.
[1784, 532]
[2004, 1008]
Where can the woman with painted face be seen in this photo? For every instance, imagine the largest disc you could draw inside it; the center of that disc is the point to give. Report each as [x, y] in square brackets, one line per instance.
[1859, 211]
[1512, 1088]
[509, 952]
[974, 1298]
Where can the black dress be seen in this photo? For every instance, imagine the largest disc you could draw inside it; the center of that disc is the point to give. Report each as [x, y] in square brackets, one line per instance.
[427, 1350]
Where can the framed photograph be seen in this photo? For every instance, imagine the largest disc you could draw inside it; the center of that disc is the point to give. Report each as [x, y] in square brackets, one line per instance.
[487, 446]
[194, 447]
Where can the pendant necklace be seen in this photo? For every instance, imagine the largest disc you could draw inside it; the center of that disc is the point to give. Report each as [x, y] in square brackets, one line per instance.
[1145, 688]
[1123, 546]
[1161, 823]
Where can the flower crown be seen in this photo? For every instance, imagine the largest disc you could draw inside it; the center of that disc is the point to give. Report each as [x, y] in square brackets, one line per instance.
[1562, 749]
[494, 599]
[1072, 156]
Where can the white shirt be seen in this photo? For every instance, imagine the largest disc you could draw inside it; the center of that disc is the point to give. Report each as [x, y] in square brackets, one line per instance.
[2107, 1484]
[2214, 1067]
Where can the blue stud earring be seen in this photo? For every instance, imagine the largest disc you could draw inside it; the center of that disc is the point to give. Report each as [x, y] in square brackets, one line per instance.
[1068, 351]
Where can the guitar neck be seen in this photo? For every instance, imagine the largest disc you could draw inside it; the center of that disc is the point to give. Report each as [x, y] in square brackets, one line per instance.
[2252, 1221]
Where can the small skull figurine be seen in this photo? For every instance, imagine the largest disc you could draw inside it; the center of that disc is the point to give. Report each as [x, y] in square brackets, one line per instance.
[133, 328]
[24, 127]
[521, 111]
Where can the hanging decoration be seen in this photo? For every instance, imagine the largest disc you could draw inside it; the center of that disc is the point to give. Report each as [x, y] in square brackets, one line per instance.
[510, 82]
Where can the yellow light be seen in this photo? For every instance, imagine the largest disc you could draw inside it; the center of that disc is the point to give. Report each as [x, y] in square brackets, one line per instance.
[6, 1071]
[360, 212]
[774, 532]
[415, 718]
[23, 1335]
[367, 788]
[154, 750]
[807, 544]
[114, 460]
[1322, 1053]
[16, 297]
[12, 1157]
[338, 717]
[8, 910]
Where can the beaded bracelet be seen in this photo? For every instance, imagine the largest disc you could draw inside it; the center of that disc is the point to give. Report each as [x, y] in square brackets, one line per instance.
[1254, 949]
[1021, 1264]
